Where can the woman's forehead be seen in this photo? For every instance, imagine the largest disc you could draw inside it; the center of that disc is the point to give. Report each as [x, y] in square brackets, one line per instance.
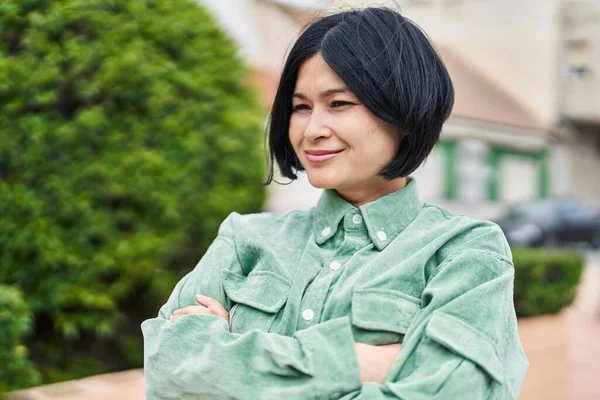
[316, 77]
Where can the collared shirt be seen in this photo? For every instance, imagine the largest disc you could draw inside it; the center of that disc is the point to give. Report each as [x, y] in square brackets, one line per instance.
[303, 287]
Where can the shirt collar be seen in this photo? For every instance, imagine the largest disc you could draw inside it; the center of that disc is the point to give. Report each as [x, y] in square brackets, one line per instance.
[384, 218]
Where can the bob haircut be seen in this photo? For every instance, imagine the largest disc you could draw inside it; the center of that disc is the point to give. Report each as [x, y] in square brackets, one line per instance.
[389, 64]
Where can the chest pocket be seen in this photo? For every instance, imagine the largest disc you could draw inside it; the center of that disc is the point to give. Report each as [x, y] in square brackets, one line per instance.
[382, 316]
[257, 298]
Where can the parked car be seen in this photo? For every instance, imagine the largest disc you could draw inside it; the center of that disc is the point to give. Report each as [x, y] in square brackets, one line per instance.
[553, 223]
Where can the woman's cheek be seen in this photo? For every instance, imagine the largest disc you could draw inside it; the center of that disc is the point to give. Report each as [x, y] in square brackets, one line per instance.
[296, 131]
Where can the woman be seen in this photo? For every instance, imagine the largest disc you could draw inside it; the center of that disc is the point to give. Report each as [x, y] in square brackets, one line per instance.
[372, 294]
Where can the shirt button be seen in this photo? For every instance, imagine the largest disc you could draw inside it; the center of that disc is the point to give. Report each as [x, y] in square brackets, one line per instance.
[335, 265]
[326, 231]
[357, 219]
[308, 314]
[382, 236]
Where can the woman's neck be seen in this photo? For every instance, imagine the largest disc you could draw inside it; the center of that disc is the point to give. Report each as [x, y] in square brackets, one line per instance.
[366, 194]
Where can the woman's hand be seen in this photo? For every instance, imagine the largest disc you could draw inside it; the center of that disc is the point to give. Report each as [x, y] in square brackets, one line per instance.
[208, 306]
[375, 362]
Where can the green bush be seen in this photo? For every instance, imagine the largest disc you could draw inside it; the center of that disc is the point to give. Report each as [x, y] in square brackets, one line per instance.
[126, 137]
[16, 371]
[546, 280]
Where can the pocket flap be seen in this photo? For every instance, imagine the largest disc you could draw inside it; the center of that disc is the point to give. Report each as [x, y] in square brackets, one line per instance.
[381, 309]
[263, 290]
[467, 341]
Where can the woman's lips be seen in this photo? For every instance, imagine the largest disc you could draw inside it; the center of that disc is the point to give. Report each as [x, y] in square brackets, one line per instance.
[321, 157]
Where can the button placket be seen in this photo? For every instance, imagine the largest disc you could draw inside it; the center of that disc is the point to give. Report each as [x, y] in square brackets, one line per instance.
[314, 298]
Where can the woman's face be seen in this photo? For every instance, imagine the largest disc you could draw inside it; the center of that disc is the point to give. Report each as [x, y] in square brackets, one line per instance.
[338, 141]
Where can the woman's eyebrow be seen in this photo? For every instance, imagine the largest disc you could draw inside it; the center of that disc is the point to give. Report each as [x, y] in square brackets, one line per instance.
[324, 93]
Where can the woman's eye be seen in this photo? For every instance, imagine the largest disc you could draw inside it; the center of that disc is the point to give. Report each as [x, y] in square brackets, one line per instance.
[339, 103]
[300, 107]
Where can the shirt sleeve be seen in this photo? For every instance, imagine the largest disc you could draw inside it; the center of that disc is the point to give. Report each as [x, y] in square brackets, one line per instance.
[197, 357]
[464, 342]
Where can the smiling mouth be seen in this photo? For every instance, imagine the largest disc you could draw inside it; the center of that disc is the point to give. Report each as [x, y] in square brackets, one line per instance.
[321, 156]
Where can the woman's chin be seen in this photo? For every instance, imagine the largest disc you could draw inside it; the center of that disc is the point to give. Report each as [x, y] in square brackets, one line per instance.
[323, 181]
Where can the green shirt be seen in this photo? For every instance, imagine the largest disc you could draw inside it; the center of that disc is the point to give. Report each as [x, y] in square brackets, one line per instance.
[303, 287]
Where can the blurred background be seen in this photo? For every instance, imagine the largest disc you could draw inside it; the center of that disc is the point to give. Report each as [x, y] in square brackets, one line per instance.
[129, 129]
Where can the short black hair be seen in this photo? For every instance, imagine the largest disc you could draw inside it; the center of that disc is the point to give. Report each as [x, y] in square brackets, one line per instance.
[389, 64]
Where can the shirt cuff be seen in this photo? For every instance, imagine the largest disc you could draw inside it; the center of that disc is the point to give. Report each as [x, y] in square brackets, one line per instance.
[331, 345]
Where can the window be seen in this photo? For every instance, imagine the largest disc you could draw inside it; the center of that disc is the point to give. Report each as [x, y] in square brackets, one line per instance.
[579, 59]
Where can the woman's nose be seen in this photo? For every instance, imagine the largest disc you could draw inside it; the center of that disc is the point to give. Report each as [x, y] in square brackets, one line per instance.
[317, 128]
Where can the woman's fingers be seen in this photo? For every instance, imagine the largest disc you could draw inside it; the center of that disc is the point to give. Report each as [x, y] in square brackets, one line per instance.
[208, 306]
[214, 306]
[190, 310]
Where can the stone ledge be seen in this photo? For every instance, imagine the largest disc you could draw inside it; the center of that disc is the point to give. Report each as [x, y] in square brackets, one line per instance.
[126, 385]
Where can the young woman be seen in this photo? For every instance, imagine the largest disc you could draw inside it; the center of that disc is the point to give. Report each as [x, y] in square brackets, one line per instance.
[372, 294]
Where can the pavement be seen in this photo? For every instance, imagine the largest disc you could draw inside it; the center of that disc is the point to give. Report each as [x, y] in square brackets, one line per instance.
[563, 352]
[127, 385]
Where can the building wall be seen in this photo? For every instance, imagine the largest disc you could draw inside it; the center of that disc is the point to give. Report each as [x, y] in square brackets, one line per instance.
[581, 61]
[585, 181]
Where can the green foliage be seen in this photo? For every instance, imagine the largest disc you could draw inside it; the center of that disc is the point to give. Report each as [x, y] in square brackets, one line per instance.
[546, 280]
[126, 137]
[78, 366]
[16, 371]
